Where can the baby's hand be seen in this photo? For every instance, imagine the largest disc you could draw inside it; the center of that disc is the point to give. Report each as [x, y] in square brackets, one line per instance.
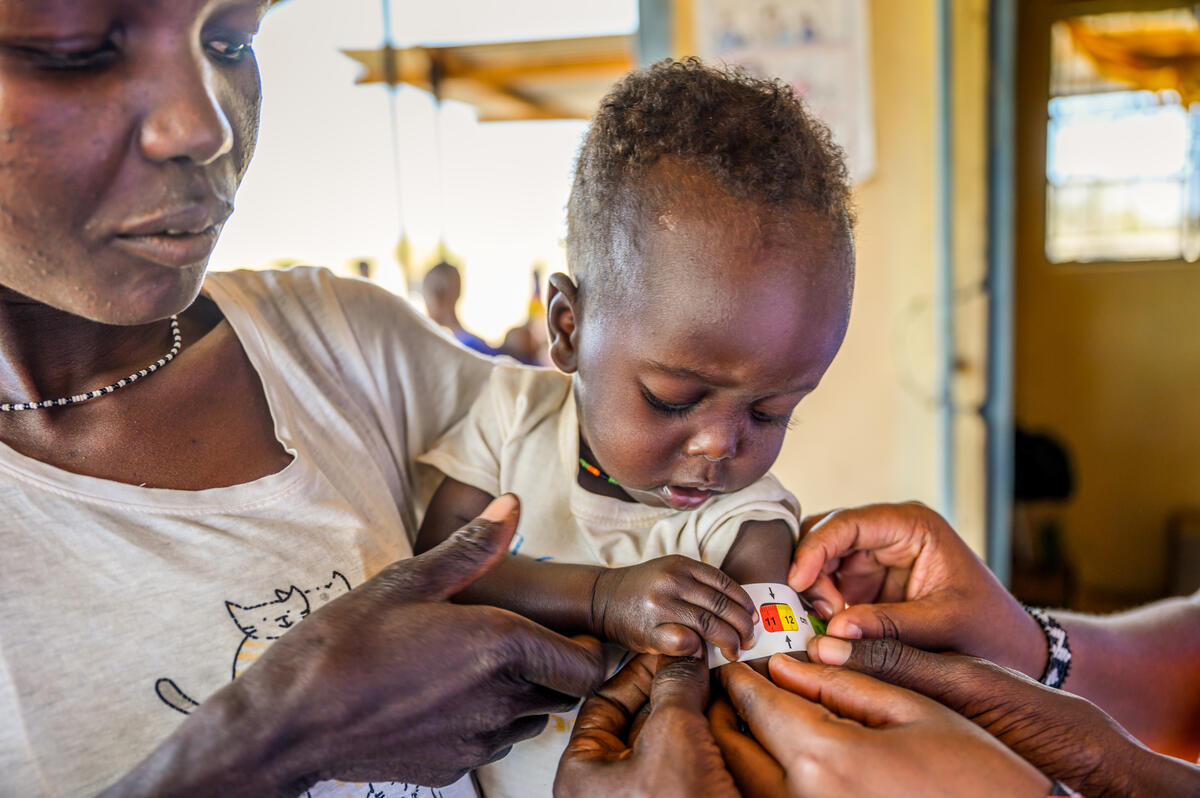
[671, 605]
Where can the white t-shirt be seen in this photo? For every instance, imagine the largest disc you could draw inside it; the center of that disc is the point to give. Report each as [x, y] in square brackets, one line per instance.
[522, 436]
[120, 606]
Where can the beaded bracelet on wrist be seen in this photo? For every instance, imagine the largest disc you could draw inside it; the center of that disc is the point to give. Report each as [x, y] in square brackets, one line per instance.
[1058, 665]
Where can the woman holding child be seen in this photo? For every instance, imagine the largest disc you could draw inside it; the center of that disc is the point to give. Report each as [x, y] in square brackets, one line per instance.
[193, 465]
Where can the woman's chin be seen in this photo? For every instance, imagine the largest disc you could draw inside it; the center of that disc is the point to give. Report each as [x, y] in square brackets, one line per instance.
[130, 302]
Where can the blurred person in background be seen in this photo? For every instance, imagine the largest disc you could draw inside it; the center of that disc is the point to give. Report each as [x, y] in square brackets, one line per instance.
[442, 288]
[526, 343]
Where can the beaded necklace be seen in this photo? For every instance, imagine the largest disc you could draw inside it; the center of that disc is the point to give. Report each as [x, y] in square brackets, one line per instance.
[8, 407]
[596, 472]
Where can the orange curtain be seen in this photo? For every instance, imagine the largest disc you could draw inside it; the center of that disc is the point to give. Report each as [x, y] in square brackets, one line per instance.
[1148, 59]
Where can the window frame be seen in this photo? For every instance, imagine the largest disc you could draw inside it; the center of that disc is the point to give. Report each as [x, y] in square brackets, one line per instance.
[1034, 22]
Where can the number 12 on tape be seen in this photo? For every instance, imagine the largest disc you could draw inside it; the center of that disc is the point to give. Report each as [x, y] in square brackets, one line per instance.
[781, 625]
[777, 618]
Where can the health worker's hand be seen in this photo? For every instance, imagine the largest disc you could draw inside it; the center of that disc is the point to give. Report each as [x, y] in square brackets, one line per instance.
[672, 605]
[822, 730]
[906, 574]
[389, 682]
[1066, 737]
[644, 735]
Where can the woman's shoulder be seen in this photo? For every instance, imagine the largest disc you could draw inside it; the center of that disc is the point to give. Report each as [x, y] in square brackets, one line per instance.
[306, 320]
[314, 291]
[313, 307]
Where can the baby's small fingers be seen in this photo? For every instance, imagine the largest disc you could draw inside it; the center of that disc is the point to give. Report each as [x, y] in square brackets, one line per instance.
[720, 582]
[713, 628]
[721, 606]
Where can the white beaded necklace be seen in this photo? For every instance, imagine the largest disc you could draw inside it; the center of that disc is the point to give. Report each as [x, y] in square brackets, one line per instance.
[8, 407]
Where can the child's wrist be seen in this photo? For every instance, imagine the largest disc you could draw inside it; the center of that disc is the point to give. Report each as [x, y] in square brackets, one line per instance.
[601, 594]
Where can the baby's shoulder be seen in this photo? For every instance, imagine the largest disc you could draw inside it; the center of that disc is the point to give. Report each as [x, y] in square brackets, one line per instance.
[764, 499]
[528, 388]
[526, 395]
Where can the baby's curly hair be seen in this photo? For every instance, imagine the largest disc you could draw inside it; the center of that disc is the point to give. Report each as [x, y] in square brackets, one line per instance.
[753, 136]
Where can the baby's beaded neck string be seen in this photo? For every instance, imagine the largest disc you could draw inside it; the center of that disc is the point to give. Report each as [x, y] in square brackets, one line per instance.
[597, 473]
[177, 338]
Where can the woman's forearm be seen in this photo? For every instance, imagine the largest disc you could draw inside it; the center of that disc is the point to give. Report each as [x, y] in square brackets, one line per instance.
[1154, 775]
[1143, 668]
[224, 748]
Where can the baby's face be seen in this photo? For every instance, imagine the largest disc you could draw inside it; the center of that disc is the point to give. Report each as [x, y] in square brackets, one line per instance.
[686, 386]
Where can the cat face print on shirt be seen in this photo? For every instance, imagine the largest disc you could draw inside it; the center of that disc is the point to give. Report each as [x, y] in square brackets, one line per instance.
[260, 624]
[269, 620]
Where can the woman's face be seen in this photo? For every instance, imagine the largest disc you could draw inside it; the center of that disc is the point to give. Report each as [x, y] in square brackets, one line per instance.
[125, 129]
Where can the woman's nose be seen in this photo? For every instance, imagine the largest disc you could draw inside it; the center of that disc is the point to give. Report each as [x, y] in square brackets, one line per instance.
[713, 442]
[186, 119]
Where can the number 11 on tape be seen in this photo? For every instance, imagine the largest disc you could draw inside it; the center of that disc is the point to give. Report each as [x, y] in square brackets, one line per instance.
[781, 624]
[778, 618]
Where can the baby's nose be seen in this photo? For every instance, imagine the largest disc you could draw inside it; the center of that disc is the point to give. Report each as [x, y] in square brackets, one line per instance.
[714, 443]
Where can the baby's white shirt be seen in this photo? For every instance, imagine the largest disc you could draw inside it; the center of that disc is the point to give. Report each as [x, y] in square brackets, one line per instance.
[521, 436]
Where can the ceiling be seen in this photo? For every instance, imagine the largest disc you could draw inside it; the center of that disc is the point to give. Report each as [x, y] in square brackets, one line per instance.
[509, 81]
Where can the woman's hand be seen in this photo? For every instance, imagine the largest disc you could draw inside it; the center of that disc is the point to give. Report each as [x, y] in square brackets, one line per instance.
[672, 605]
[906, 574]
[829, 731]
[1063, 735]
[644, 735]
[388, 682]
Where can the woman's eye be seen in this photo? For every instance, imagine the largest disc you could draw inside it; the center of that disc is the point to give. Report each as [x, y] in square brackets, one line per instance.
[775, 421]
[663, 406]
[232, 50]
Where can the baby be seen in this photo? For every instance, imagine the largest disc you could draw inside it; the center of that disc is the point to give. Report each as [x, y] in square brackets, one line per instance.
[711, 270]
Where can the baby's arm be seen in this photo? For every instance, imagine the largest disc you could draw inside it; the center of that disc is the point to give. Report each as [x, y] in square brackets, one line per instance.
[761, 552]
[667, 605]
[558, 596]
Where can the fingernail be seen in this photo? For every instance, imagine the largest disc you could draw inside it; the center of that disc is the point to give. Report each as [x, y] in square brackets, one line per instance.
[832, 650]
[791, 574]
[823, 608]
[851, 632]
[500, 509]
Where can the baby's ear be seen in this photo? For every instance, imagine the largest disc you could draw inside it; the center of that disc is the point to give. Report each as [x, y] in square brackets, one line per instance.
[562, 317]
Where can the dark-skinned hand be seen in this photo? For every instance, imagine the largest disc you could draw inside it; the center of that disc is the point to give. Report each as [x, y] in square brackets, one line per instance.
[905, 573]
[644, 735]
[672, 605]
[1065, 736]
[822, 731]
[388, 682]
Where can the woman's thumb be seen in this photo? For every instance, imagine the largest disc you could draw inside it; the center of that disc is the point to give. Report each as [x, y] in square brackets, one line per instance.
[470, 552]
[906, 621]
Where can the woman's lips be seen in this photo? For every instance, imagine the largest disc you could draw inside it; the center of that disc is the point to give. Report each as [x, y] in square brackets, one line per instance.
[679, 497]
[176, 236]
[171, 249]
